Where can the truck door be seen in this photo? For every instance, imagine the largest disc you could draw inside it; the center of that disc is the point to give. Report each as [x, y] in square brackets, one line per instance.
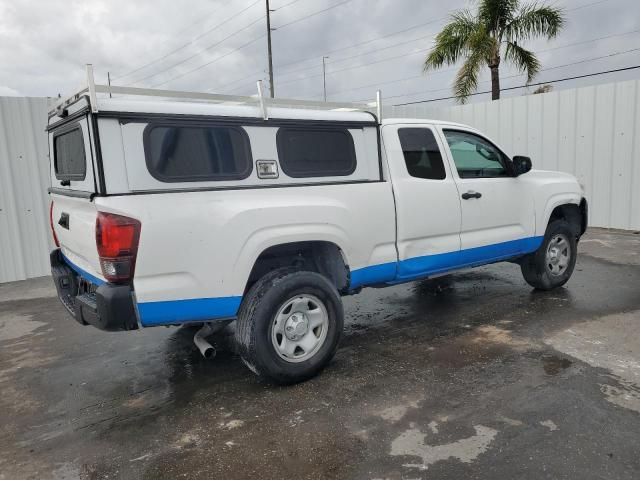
[498, 214]
[427, 201]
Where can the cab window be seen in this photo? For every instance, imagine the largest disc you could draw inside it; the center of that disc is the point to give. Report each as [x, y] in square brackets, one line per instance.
[474, 156]
[421, 153]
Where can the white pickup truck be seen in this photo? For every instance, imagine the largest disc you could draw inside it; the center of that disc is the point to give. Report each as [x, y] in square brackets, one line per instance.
[170, 211]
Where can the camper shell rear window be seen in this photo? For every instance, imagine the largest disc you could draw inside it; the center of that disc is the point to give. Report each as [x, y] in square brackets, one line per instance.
[189, 152]
[68, 155]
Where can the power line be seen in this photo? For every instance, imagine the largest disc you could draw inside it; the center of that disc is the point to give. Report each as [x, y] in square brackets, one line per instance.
[211, 46]
[353, 67]
[211, 62]
[286, 5]
[634, 67]
[362, 54]
[587, 5]
[203, 18]
[398, 32]
[199, 52]
[348, 47]
[191, 42]
[543, 70]
[454, 68]
[417, 51]
[251, 76]
[313, 14]
[331, 52]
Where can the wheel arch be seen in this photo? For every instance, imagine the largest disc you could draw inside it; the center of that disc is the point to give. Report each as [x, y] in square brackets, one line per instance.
[568, 207]
[575, 214]
[323, 252]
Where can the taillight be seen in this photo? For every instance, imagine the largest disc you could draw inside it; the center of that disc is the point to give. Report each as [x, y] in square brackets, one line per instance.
[117, 240]
[53, 230]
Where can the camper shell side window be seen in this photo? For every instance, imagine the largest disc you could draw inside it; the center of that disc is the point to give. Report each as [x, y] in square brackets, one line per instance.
[188, 152]
[307, 152]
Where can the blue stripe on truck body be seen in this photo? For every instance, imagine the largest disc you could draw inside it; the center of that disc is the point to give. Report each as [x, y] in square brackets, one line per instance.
[205, 309]
[424, 266]
[83, 273]
[184, 311]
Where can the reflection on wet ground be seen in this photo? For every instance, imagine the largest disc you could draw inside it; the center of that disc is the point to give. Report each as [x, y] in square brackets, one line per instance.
[472, 374]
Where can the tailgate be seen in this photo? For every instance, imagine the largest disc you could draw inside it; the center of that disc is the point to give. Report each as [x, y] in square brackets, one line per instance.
[74, 223]
[73, 184]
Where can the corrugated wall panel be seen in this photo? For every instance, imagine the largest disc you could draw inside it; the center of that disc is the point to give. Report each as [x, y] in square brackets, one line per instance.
[24, 179]
[592, 132]
[634, 175]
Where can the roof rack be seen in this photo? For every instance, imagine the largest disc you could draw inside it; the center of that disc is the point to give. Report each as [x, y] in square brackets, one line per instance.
[92, 90]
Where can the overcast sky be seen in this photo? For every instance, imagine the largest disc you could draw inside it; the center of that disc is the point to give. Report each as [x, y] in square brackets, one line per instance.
[220, 46]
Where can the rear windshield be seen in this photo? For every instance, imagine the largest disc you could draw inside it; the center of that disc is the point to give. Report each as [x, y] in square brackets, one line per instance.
[181, 153]
[316, 152]
[68, 154]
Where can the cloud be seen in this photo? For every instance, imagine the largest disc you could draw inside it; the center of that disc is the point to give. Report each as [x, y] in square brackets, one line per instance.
[44, 45]
[9, 92]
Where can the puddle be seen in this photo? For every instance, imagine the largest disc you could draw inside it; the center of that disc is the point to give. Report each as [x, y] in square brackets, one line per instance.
[626, 396]
[553, 365]
[412, 442]
[480, 344]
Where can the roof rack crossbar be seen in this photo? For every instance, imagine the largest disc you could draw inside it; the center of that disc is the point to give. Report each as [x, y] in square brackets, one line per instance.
[92, 90]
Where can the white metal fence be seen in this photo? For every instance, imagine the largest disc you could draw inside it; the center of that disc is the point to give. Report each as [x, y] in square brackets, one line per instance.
[24, 179]
[592, 132]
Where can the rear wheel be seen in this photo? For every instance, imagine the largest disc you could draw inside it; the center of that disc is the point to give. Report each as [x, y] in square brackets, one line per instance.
[552, 264]
[289, 325]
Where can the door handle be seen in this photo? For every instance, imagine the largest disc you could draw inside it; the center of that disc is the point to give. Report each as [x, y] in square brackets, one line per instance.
[471, 194]
[64, 220]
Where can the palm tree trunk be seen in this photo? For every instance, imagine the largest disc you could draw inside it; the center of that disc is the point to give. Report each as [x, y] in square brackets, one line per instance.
[495, 82]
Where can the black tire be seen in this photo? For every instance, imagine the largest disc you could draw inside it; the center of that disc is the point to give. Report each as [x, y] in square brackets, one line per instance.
[257, 315]
[535, 268]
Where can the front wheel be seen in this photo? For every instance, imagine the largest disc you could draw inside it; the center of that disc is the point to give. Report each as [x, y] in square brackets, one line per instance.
[552, 264]
[289, 325]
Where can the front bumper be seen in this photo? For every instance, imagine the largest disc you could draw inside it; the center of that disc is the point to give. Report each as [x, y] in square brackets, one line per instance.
[107, 307]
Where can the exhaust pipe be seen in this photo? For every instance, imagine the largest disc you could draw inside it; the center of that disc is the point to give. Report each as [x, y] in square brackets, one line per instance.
[206, 349]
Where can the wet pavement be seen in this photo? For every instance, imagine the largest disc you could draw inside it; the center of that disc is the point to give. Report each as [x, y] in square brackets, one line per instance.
[474, 375]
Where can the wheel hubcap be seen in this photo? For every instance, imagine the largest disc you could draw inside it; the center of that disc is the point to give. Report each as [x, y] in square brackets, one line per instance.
[558, 255]
[299, 328]
[296, 326]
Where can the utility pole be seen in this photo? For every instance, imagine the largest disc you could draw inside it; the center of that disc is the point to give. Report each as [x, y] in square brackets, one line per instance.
[324, 77]
[271, 89]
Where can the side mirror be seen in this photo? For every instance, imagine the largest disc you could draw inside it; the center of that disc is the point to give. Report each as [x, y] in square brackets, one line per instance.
[521, 165]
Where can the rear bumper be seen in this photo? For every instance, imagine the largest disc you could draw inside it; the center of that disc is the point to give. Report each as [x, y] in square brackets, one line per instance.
[108, 306]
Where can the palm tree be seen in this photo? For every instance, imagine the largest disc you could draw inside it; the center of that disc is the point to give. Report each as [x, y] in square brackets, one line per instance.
[492, 34]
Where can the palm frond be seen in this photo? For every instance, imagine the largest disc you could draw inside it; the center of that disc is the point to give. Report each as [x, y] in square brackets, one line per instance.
[525, 60]
[495, 14]
[451, 42]
[466, 81]
[533, 21]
